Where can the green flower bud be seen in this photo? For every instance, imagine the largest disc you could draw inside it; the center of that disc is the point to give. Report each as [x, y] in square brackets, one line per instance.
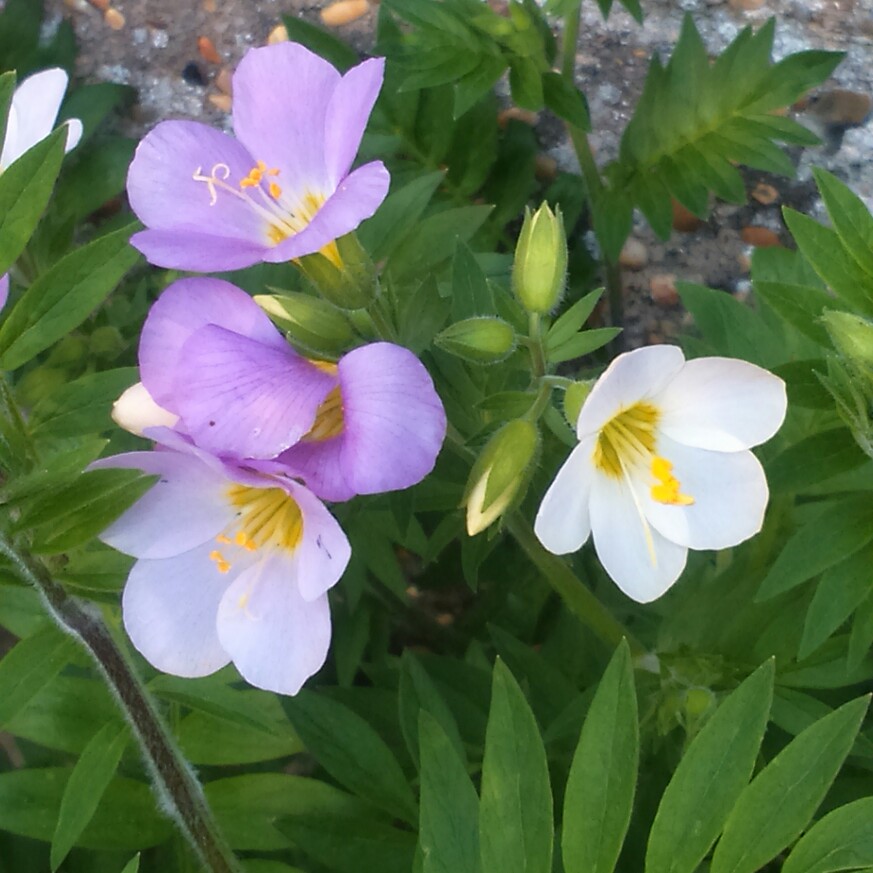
[539, 271]
[342, 273]
[501, 473]
[574, 398]
[309, 320]
[698, 702]
[852, 337]
[106, 342]
[483, 339]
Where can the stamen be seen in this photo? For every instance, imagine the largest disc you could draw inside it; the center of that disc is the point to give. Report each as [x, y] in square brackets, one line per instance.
[667, 489]
[267, 517]
[329, 420]
[275, 191]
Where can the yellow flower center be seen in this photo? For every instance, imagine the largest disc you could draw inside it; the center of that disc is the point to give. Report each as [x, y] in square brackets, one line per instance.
[259, 190]
[329, 422]
[628, 440]
[265, 518]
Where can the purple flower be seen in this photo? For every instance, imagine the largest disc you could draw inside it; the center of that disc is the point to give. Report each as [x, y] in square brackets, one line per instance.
[282, 188]
[232, 566]
[209, 355]
[4, 289]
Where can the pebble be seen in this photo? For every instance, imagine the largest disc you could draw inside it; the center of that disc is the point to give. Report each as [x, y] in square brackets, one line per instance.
[765, 193]
[840, 107]
[221, 102]
[634, 255]
[760, 237]
[344, 12]
[224, 80]
[114, 18]
[207, 50]
[662, 289]
[278, 34]
[513, 113]
[746, 5]
[684, 219]
[545, 168]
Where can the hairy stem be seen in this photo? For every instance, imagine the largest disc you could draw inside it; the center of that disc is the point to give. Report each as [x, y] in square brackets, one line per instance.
[172, 775]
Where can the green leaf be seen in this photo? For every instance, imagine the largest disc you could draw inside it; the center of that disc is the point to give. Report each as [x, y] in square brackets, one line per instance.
[29, 666]
[776, 806]
[471, 294]
[25, 189]
[600, 788]
[566, 101]
[132, 866]
[515, 812]
[814, 459]
[583, 344]
[801, 306]
[63, 297]
[566, 326]
[849, 216]
[324, 44]
[525, 83]
[472, 87]
[613, 221]
[449, 826]
[352, 752]
[861, 640]
[85, 787]
[710, 777]
[842, 840]
[7, 89]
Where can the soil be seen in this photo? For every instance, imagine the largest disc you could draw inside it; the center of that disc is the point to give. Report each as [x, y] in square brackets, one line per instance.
[178, 54]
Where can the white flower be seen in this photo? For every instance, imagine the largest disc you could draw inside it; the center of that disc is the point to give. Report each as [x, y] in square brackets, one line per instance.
[136, 409]
[32, 115]
[663, 466]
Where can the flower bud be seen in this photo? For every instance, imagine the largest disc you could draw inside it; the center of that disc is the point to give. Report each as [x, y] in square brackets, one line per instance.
[309, 320]
[540, 267]
[483, 339]
[852, 336]
[574, 398]
[136, 410]
[342, 273]
[500, 475]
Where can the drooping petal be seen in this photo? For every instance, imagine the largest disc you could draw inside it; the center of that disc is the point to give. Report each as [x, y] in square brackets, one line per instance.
[722, 404]
[347, 113]
[240, 398]
[394, 420]
[166, 197]
[630, 378]
[276, 639]
[357, 198]
[185, 307]
[563, 522]
[319, 465]
[280, 98]
[730, 496]
[639, 560]
[35, 106]
[170, 610]
[74, 133]
[4, 289]
[324, 551]
[185, 508]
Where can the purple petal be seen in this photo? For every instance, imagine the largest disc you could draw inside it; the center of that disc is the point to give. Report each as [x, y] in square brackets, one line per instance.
[356, 199]
[186, 507]
[241, 398]
[166, 197]
[185, 307]
[320, 466]
[4, 289]
[197, 252]
[276, 638]
[170, 611]
[347, 115]
[394, 420]
[280, 98]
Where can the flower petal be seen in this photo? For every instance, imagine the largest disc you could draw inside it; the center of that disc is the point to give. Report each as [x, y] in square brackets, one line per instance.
[280, 99]
[165, 196]
[185, 307]
[238, 397]
[563, 523]
[631, 377]
[357, 198]
[347, 115]
[276, 638]
[722, 404]
[170, 608]
[35, 106]
[74, 133]
[194, 251]
[394, 420]
[639, 560]
[730, 497]
[4, 289]
[186, 507]
[319, 465]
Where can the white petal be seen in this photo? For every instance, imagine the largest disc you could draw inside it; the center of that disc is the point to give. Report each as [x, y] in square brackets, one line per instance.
[562, 524]
[170, 609]
[74, 133]
[730, 496]
[722, 404]
[631, 377]
[135, 410]
[10, 143]
[276, 638]
[640, 561]
[36, 103]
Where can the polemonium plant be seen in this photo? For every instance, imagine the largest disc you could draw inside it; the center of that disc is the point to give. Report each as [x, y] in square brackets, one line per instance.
[282, 188]
[663, 465]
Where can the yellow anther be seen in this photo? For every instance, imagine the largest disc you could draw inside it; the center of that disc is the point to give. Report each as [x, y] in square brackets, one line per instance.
[667, 489]
[221, 538]
[661, 469]
[275, 191]
[223, 566]
[240, 539]
[221, 563]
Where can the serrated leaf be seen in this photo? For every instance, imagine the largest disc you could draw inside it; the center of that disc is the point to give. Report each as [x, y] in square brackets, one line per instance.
[777, 805]
[842, 840]
[710, 777]
[515, 812]
[600, 787]
[85, 787]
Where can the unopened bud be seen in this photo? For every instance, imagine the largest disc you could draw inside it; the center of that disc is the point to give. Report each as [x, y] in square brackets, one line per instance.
[106, 342]
[539, 271]
[698, 702]
[342, 273]
[501, 473]
[309, 320]
[483, 339]
[852, 337]
[136, 410]
[574, 399]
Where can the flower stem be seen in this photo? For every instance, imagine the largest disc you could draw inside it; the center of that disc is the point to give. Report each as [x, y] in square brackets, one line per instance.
[172, 775]
[537, 352]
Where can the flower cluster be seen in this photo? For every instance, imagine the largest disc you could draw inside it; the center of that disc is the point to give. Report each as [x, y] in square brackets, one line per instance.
[235, 549]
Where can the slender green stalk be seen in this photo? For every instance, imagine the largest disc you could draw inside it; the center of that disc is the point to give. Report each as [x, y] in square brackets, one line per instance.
[570, 38]
[537, 352]
[172, 775]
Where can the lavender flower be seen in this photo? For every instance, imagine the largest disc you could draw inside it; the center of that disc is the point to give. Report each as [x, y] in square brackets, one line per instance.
[280, 190]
